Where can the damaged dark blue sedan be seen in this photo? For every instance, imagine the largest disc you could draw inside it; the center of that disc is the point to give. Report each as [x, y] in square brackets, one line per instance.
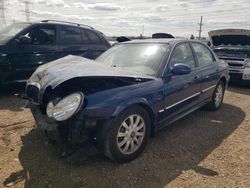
[126, 95]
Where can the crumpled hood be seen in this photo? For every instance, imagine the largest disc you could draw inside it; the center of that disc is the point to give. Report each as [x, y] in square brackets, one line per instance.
[230, 37]
[56, 72]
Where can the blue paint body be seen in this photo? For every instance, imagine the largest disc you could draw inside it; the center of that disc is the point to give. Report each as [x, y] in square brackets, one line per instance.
[167, 96]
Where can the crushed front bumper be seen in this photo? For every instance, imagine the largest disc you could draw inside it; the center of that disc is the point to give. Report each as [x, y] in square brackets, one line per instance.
[42, 121]
[71, 132]
[46, 125]
[73, 141]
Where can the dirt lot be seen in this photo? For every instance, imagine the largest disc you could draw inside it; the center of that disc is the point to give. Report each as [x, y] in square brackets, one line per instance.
[204, 149]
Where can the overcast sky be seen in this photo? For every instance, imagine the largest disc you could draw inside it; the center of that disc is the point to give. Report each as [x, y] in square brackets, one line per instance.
[127, 17]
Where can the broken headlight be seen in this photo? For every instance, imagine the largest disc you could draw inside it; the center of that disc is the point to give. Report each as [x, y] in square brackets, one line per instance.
[66, 107]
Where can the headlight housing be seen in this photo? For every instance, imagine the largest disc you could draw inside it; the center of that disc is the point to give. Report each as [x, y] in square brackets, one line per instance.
[38, 85]
[66, 107]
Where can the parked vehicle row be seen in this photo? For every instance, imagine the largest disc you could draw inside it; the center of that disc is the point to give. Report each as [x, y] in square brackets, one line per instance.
[126, 95]
[116, 97]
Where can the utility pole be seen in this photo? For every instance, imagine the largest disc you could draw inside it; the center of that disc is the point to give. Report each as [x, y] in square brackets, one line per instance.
[2, 10]
[142, 33]
[27, 10]
[200, 25]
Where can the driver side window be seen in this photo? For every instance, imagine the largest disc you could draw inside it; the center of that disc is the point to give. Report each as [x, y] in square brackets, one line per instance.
[41, 35]
[182, 54]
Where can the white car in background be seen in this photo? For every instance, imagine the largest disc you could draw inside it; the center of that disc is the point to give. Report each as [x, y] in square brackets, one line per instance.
[233, 46]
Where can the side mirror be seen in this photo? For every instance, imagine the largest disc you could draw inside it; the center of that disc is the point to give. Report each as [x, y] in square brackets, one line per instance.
[181, 68]
[23, 40]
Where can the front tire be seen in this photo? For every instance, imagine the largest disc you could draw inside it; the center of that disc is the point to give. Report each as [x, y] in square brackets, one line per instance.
[217, 97]
[1, 81]
[128, 135]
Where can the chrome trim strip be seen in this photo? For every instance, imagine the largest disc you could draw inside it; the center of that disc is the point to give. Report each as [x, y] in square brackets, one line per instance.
[182, 100]
[205, 90]
[196, 94]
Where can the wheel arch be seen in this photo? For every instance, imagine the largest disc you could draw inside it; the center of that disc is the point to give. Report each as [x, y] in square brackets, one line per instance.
[143, 103]
[224, 80]
[151, 116]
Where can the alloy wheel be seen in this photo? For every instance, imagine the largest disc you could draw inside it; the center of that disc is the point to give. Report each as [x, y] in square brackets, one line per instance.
[218, 95]
[131, 134]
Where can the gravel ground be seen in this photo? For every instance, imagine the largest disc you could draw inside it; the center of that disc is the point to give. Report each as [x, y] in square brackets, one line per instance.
[204, 149]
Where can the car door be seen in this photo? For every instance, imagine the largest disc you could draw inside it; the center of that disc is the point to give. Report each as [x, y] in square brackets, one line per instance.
[208, 68]
[72, 41]
[39, 48]
[181, 92]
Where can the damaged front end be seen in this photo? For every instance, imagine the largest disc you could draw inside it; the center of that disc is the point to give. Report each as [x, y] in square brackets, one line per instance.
[62, 108]
[62, 103]
[63, 124]
[74, 138]
[60, 122]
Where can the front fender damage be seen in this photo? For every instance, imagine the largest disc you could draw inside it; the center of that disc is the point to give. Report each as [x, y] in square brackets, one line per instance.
[85, 127]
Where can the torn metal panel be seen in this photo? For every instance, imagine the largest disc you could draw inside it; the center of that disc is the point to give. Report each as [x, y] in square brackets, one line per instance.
[57, 72]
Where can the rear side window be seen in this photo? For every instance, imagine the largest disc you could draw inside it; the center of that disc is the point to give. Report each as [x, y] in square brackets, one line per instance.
[93, 37]
[70, 35]
[85, 38]
[42, 35]
[182, 54]
[203, 54]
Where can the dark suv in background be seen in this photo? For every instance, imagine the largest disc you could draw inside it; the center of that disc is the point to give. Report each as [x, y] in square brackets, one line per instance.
[233, 46]
[25, 46]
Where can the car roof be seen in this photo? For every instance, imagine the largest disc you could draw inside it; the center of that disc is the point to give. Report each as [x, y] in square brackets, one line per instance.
[55, 22]
[161, 40]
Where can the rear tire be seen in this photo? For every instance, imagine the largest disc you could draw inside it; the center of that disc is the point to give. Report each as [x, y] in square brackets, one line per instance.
[217, 97]
[248, 84]
[128, 135]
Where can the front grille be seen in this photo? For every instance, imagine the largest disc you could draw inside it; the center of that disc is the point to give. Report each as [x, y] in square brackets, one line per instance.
[232, 58]
[32, 92]
[235, 63]
[239, 65]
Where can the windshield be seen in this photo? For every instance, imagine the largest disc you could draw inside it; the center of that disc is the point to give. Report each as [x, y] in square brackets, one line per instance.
[142, 58]
[12, 30]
